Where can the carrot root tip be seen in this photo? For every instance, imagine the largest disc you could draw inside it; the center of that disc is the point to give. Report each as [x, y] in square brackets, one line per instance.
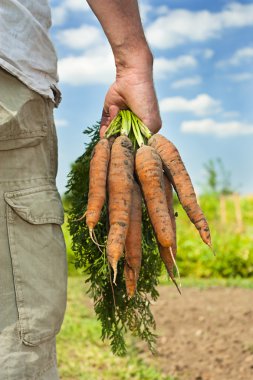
[81, 218]
[94, 239]
[174, 262]
[113, 264]
[114, 276]
[212, 249]
[113, 295]
[176, 284]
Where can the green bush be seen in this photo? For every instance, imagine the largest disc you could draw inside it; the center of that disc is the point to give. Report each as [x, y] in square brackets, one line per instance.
[233, 249]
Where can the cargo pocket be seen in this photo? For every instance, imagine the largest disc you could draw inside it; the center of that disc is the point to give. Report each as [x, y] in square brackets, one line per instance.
[37, 248]
[24, 127]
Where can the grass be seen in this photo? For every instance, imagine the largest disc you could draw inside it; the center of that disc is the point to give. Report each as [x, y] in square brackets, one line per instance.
[71, 258]
[81, 353]
[204, 283]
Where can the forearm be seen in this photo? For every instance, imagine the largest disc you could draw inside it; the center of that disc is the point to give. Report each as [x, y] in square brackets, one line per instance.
[133, 88]
[121, 22]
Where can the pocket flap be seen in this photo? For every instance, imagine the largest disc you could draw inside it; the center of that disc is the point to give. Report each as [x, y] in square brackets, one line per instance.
[37, 205]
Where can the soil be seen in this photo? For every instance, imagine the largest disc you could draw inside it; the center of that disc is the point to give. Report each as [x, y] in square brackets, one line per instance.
[205, 334]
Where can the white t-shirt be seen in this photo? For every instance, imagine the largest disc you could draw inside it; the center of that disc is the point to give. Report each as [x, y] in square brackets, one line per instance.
[26, 50]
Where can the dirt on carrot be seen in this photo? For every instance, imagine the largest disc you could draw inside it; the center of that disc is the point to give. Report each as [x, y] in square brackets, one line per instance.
[150, 174]
[97, 183]
[178, 175]
[133, 242]
[120, 186]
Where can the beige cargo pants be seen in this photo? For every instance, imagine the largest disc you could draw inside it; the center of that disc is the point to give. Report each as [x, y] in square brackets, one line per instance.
[33, 271]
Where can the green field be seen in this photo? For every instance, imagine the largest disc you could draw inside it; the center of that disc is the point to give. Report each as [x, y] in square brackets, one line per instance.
[82, 354]
[232, 238]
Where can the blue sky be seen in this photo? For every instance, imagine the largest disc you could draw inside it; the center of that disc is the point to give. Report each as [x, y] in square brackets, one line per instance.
[203, 72]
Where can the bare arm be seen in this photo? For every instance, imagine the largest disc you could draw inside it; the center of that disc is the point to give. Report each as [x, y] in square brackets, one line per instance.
[133, 87]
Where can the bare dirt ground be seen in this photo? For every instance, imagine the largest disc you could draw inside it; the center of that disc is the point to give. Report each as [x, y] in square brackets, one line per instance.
[205, 334]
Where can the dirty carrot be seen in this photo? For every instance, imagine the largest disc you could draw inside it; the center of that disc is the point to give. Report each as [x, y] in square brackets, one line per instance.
[177, 173]
[97, 183]
[150, 173]
[133, 243]
[120, 186]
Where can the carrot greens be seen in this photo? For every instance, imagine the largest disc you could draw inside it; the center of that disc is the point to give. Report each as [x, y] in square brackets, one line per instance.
[127, 123]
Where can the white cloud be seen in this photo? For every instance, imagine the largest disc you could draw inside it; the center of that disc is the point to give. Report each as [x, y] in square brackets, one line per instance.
[76, 5]
[180, 26]
[161, 10]
[241, 77]
[208, 53]
[164, 66]
[96, 66]
[80, 38]
[220, 129]
[230, 114]
[60, 12]
[58, 15]
[61, 123]
[243, 55]
[202, 105]
[187, 82]
[145, 10]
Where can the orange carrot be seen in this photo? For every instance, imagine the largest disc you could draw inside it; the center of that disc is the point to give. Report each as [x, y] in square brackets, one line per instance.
[120, 185]
[133, 243]
[177, 173]
[97, 183]
[150, 173]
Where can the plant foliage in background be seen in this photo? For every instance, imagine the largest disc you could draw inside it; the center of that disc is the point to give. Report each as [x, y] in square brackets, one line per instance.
[115, 311]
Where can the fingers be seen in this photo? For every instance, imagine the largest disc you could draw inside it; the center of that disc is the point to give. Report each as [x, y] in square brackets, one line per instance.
[153, 122]
[151, 114]
[104, 124]
[136, 94]
[152, 119]
[107, 117]
[102, 131]
[113, 111]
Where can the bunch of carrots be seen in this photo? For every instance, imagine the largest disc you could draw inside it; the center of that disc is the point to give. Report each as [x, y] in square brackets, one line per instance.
[130, 166]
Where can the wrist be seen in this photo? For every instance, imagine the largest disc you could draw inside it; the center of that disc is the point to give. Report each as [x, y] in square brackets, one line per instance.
[133, 58]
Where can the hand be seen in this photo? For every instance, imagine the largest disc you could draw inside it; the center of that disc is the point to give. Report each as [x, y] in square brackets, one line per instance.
[134, 90]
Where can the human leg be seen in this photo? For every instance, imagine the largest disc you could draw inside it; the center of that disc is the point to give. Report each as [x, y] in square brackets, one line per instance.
[33, 272]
